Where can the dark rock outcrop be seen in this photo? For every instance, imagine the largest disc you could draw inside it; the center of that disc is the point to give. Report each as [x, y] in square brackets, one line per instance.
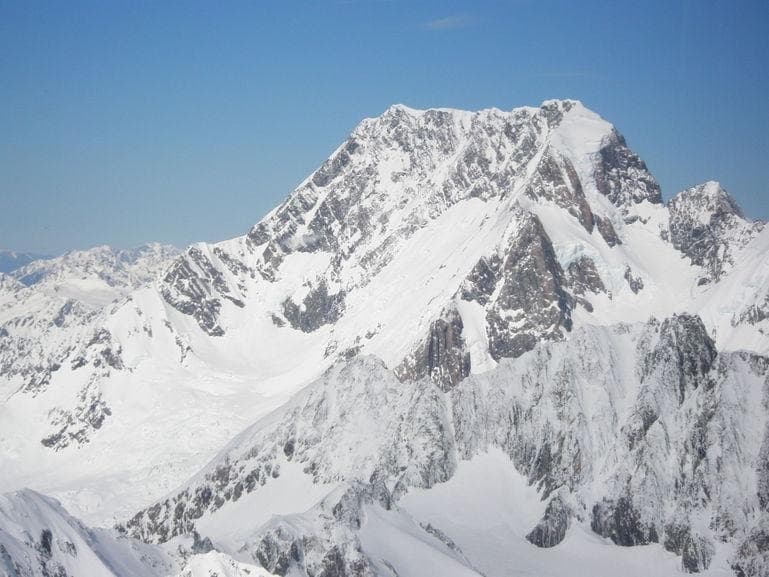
[318, 308]
[622, 176]
[551, 529]
[607, 231]
[556, 181]
[583, 277]
[696, 551]
[442, 356]
[192, 294]
[635, 283]
[620, 521]
[522, 289]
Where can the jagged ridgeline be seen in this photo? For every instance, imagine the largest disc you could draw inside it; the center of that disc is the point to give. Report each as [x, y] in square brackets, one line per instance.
[477, 337]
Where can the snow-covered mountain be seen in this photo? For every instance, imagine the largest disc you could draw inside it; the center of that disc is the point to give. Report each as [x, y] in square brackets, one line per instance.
[10, 260]
[47, 304]
[452, 299]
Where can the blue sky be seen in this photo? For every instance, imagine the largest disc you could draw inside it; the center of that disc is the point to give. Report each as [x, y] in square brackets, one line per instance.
[124, 122]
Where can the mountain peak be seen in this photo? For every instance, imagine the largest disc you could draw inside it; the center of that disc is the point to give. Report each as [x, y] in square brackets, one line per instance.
[706, 201]
[399, 107]
[707, 225]
[562, 105]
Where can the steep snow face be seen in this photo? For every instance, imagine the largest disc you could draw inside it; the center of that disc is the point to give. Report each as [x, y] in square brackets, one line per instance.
[641, 433]
[38, 538]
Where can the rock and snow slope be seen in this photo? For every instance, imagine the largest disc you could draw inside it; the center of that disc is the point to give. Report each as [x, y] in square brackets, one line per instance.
[39, 538]
[643, 433]
[468, 252]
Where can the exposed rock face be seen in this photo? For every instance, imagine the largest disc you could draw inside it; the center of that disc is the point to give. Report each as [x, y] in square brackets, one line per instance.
[635, 283]
[75, 426]
[683, 357]
[619, 521]
[583, 278]
[695, 550]
[551, 529]
[531, 281]
[556, 181]
[622, 176]
[606, 228]
[189, 287]
[708, 227]
[442, 356]
[752, 559]
[317, 309]
[522, 290]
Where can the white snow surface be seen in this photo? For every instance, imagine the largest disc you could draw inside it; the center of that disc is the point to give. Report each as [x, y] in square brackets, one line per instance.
[487, 508]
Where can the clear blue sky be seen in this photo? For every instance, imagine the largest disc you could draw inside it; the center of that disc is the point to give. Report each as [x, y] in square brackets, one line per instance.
[128, 121]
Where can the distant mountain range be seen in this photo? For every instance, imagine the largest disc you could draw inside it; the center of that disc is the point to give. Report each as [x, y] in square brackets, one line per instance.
[11, 260]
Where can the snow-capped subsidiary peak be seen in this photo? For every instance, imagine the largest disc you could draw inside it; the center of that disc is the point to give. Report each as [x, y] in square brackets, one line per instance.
[708, 226]
[707, 201]
[398, 108]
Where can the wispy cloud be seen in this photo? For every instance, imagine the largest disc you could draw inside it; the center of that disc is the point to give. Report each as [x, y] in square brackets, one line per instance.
[449, 23]
[365, 1]
[566, 74]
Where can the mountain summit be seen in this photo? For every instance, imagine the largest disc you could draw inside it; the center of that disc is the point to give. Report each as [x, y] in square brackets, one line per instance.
[453, 299]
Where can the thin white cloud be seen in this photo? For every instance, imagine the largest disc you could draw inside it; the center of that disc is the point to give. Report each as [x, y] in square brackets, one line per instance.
[566, 74]
[449, 23]
[364, 1]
